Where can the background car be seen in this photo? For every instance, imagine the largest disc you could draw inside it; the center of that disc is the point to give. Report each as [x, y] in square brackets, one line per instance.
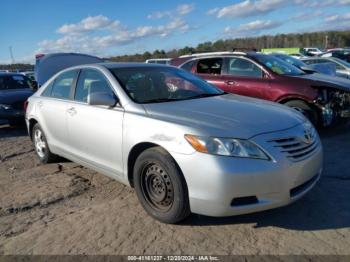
[324, 68]
[14, 91]
[46, 65]
[312, 51]
[161, 61]
[183, 144]
[341, 53]
[323, 99]
[342, 67]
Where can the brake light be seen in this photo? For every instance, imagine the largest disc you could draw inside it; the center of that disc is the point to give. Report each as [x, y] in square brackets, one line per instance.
[39, 56]
[25, 105]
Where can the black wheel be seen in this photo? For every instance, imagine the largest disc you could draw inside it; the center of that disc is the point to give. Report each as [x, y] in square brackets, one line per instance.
[305, 109]
[160, 186]
[41, 147]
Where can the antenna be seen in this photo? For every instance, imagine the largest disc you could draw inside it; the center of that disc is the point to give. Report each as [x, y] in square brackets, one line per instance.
[11, 55]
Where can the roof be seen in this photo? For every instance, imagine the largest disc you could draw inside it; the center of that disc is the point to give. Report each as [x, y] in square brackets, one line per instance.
[10, 74]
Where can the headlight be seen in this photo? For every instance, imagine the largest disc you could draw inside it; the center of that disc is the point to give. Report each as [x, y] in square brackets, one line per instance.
[6, 107]
[226, 147]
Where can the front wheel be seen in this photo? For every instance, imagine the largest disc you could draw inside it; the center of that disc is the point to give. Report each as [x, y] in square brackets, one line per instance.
[305, 109]
[160, 186]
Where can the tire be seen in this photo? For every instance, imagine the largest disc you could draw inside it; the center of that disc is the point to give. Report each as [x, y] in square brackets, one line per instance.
[305, 109]
[160, 186]
[41, 147]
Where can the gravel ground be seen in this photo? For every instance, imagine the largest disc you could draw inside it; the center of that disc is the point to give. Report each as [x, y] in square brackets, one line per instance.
[65, 208]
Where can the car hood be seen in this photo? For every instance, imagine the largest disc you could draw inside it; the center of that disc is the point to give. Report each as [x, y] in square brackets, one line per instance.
[227, 115]
[328, 81]
[10, 96]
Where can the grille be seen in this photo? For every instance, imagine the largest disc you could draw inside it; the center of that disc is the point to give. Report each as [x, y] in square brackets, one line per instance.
[297, 148]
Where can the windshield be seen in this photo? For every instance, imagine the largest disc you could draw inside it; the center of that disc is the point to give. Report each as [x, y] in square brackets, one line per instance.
[342, 62]
[14, 82]
[278, 66]
[162, 84]
[290, 60]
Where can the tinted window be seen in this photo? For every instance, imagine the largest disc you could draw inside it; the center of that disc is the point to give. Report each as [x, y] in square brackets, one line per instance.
[278, 66]
[210, 66]
[188, 66]
[14, 82]
[243, 67]
[162, 84]
[48, 89]
[91, 81]
[62, 85]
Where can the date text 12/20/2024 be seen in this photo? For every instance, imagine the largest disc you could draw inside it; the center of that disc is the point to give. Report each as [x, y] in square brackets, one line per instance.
[173, 258]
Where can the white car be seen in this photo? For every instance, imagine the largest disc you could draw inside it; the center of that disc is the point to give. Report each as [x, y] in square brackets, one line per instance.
[184, 145]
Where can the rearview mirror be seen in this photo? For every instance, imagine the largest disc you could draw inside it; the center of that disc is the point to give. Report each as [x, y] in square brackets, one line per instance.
[102, 99]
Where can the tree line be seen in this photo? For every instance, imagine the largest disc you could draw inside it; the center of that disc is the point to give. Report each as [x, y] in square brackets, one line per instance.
[329, 39]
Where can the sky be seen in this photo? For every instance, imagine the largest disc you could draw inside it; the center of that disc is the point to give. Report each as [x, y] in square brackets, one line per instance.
[116, 27]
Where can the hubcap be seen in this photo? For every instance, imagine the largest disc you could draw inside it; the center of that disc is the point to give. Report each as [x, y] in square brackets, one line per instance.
[157, 187]
[40, 145]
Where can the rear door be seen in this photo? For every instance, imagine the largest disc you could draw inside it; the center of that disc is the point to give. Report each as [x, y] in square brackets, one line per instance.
[244, 77]
[95, 132]
[51, 108]
[210, 69]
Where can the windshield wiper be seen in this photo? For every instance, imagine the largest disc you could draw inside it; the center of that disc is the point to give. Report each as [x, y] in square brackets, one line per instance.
[206, 95]
[159, 100]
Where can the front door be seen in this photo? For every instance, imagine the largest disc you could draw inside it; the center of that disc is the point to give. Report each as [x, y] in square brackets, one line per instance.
[243, 77]
[95, 132]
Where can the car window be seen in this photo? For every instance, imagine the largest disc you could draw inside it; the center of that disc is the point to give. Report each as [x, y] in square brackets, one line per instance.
[210, 66]
[188, 66]
[91, 81]
[62, 85]
[14, 82]
[243, 67]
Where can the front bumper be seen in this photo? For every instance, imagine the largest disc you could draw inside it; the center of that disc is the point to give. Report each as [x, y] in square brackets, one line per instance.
[214, 182]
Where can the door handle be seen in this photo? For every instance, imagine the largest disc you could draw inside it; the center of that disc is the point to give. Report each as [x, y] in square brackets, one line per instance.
[72, 111]
[230, 82]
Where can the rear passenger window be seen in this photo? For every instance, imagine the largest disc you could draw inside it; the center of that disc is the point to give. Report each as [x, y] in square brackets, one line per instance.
[210, 66]
[91, 81]
[188, 66]
[62, 85]
[243, 67]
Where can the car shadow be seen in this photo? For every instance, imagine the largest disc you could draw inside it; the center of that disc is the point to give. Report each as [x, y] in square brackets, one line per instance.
[7, 131]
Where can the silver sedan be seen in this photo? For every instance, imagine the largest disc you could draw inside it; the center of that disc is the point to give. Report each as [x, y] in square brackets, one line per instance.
[184, 145]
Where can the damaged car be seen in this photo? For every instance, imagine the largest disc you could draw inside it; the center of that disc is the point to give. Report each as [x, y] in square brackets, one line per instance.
[324, 99]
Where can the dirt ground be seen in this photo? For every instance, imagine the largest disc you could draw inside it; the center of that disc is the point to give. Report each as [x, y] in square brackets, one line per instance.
[67, 209]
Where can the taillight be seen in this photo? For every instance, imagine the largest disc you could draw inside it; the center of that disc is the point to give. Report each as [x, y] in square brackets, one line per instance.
[25, 105]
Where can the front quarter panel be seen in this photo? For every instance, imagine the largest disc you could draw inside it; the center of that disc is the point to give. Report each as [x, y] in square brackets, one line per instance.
[140, 128]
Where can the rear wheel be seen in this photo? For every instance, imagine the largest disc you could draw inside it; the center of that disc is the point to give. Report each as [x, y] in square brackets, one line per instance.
[305, 109]
[160, 186]
[41, 147]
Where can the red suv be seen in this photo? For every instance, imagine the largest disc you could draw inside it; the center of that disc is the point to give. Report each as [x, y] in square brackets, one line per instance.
[323, 99]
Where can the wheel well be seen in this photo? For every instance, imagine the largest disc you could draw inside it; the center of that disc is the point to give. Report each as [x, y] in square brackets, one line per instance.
[134, 153]
[32, 123]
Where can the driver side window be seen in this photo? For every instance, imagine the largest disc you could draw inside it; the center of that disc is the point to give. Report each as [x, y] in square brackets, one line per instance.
[91, 81]
[243, 67]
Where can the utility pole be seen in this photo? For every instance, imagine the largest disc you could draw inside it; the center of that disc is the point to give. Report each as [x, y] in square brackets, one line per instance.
[326, 42]
[11, 55]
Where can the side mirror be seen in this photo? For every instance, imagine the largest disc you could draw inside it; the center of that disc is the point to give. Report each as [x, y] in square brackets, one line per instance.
[102, 99]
